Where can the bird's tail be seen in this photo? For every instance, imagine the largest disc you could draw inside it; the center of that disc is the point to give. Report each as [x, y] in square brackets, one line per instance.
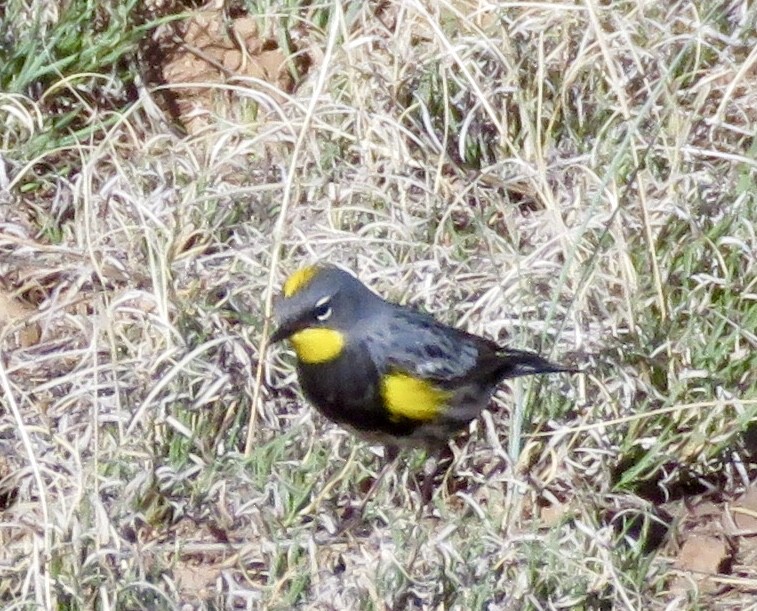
[516, 363]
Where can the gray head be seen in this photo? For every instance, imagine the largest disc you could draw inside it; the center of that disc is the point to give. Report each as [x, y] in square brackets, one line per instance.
[322, 296]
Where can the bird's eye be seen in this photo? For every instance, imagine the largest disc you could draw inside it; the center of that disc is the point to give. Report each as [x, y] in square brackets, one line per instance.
[322, 310]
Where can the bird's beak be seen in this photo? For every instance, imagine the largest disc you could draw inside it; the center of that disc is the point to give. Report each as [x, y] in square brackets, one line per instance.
[282, 332]
[285, 329]
[283, 326]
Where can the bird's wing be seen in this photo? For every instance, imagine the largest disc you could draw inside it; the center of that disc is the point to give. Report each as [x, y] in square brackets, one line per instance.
[418, 345]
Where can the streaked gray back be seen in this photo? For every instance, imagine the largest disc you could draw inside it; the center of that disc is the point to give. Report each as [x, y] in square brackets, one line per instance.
[416, 343]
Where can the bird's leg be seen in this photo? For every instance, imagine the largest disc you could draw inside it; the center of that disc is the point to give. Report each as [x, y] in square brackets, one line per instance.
[437, 465]
[352, 517]
[391, 454]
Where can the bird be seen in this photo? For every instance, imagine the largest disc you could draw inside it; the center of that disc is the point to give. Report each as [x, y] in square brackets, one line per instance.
[391, 374]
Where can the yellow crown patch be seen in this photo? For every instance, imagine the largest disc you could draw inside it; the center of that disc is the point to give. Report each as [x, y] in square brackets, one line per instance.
[298, 280]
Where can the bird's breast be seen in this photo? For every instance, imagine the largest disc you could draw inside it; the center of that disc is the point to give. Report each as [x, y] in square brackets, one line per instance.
[343, 388]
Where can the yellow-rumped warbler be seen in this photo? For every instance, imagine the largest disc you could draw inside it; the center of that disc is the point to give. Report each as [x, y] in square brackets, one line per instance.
[388, 372]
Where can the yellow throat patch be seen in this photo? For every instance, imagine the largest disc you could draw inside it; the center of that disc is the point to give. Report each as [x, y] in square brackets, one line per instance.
[298, 280]
[317, 345]
[412, 398]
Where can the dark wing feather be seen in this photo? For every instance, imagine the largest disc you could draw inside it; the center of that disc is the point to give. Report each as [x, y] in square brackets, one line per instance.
[416, 343]
[419, 345]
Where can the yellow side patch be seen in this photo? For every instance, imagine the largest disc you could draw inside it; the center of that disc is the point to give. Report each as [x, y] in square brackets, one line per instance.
[297, 281]
[317, 345]
[412, 398]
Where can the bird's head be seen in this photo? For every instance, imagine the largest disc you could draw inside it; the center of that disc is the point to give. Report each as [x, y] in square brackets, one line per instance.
[319, 307]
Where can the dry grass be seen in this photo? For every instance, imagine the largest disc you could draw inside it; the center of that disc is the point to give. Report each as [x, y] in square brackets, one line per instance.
[577, 179]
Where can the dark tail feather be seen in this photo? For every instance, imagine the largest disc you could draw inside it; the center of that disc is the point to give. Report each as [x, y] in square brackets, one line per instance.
[516, 363]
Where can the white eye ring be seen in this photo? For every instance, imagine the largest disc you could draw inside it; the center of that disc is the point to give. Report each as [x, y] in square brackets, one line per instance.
[322, 309]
